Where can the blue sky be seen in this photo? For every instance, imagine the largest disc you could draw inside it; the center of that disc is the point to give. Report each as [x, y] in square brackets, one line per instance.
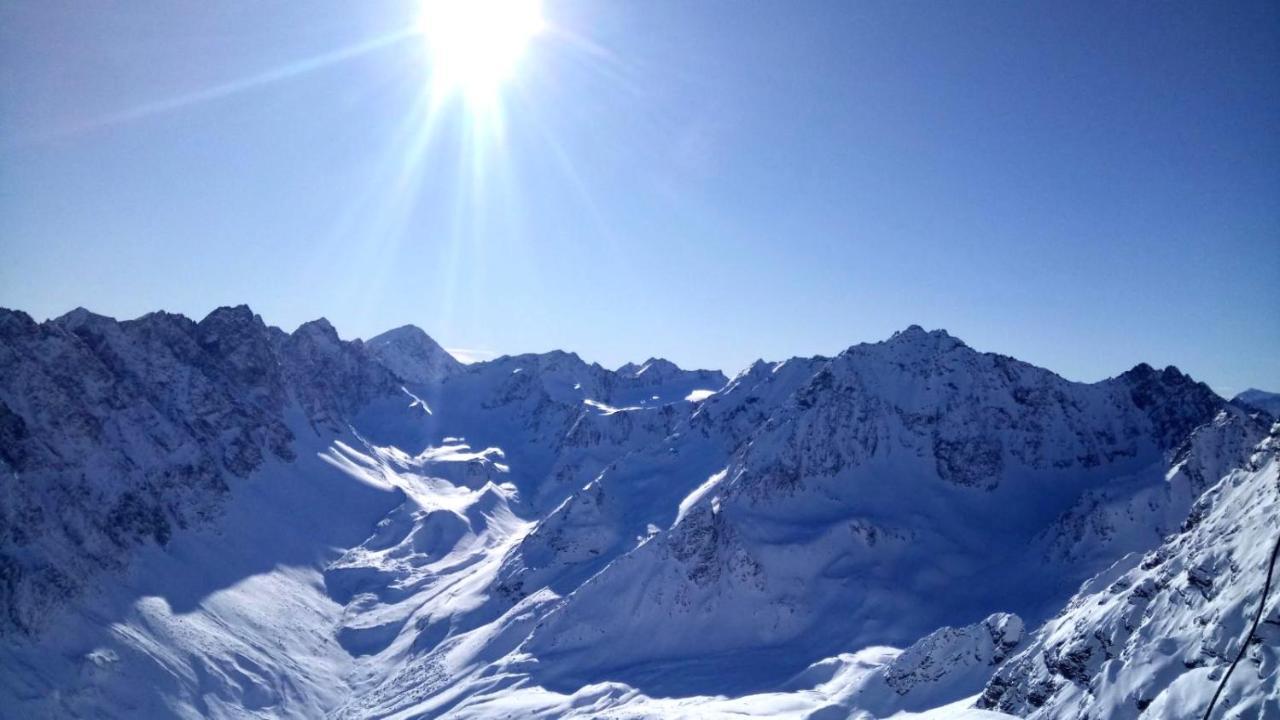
[1081, 185]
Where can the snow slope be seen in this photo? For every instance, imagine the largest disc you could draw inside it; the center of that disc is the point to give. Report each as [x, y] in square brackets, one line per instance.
[936, 677]
[228, 620]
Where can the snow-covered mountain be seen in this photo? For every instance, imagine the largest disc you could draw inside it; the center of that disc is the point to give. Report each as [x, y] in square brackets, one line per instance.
[413, 356]
[120, 432]
[887, 477]
[222, 519]
[1260, 399]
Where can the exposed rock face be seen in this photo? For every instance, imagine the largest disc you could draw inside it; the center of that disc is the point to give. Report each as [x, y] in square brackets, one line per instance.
[1175, 403]
[332, 380]
[1132, 514]
[979, 416]
[1153, 635]
[949, 655]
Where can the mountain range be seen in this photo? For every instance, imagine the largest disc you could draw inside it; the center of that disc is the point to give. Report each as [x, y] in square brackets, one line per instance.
[218, 518]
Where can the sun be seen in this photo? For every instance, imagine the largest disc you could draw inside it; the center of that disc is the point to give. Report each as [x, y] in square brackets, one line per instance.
[475, 45]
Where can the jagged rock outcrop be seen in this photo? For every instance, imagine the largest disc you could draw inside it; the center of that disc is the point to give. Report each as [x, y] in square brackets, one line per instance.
[1133, 513]
[1152, 636]
[116, 433]
[946, 650]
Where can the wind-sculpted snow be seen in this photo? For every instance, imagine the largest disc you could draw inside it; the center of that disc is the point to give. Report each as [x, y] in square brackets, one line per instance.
[1152, 636]
[224, 519]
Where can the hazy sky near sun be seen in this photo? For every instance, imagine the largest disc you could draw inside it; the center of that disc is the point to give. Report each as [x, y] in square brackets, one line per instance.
[1083, 185]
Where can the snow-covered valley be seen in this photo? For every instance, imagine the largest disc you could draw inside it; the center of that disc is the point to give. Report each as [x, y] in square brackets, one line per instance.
[222, 519]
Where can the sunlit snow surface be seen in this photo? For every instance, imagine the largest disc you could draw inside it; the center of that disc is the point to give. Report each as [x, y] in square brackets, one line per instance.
[227, 621]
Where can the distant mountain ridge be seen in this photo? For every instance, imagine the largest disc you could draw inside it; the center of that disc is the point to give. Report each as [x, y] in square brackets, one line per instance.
[1260, 399]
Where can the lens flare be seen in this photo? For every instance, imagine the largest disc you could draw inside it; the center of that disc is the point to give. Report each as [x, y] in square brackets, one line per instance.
[475, 45]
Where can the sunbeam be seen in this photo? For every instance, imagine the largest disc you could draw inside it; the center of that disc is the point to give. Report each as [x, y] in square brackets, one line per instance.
[217, 92]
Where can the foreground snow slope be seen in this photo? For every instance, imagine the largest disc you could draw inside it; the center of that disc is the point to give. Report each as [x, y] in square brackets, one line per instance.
[221, 519]
[936, 677]
[1152, 636]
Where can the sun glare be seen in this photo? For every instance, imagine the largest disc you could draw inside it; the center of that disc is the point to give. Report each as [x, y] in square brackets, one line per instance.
[476, 45]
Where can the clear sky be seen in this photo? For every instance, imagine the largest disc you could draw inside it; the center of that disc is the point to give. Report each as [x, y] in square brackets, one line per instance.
[1081, 185]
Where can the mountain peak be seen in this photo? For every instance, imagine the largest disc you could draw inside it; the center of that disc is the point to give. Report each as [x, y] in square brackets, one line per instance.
[236, 331]
[1260, 399]
[912, 342]
[403, 333]
[15, 320]
[653, 366]
[1142, 372]
[80, 317]
[1176, 401]
[317, 329]
[550, 360]
[229, 320]
[409, 352]
[230, 313]
[915, 333]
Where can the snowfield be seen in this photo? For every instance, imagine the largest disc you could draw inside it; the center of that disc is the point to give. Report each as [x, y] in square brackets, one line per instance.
[221, 519]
